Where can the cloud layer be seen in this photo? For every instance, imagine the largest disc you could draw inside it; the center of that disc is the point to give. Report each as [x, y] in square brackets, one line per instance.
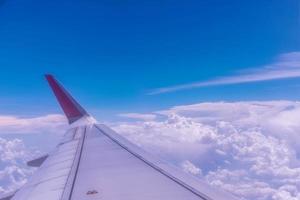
[248, 148]
[42, 124]
[286, 66]
[138, 116]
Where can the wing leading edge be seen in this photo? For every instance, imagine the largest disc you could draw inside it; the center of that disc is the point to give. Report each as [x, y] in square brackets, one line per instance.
[93, 162]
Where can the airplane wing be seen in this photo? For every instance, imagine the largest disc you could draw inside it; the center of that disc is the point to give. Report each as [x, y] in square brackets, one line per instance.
[92, 162]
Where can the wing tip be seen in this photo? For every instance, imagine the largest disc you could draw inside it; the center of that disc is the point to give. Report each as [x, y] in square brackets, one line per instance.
[48, 76]
[71, 108]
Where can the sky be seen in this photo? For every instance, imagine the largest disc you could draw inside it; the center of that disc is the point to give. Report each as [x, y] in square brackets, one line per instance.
[186, 80]
[112, 55]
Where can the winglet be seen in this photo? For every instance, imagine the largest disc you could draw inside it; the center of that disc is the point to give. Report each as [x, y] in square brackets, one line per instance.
[71, 108]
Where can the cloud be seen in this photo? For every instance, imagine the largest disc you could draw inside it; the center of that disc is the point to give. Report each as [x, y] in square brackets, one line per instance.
[13, 169]
[42, 124]
[189, 167]
[286, 66]
[14, 153]
[248, 148]
[138, 116]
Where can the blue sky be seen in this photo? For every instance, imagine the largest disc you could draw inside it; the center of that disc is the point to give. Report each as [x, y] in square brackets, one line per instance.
[112, 54]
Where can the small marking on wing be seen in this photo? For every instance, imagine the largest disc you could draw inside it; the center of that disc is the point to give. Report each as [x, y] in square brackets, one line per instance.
[92, 192]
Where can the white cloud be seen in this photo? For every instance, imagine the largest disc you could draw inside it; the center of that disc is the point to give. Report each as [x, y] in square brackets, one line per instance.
[286, 66]
[13, 169]
[42, 124]
[13, 152]
[138, 116]
[189, 167]
[248, 148]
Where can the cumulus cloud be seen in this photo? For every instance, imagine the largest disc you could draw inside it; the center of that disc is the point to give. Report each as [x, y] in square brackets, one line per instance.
[285, 66]
[13, 169]
[189, 167]
[248, 148]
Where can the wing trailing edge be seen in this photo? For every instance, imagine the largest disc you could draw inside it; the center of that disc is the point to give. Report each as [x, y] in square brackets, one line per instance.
[70, 106]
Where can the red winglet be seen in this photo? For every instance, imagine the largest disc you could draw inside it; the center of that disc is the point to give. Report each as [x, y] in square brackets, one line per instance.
[71, 108]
